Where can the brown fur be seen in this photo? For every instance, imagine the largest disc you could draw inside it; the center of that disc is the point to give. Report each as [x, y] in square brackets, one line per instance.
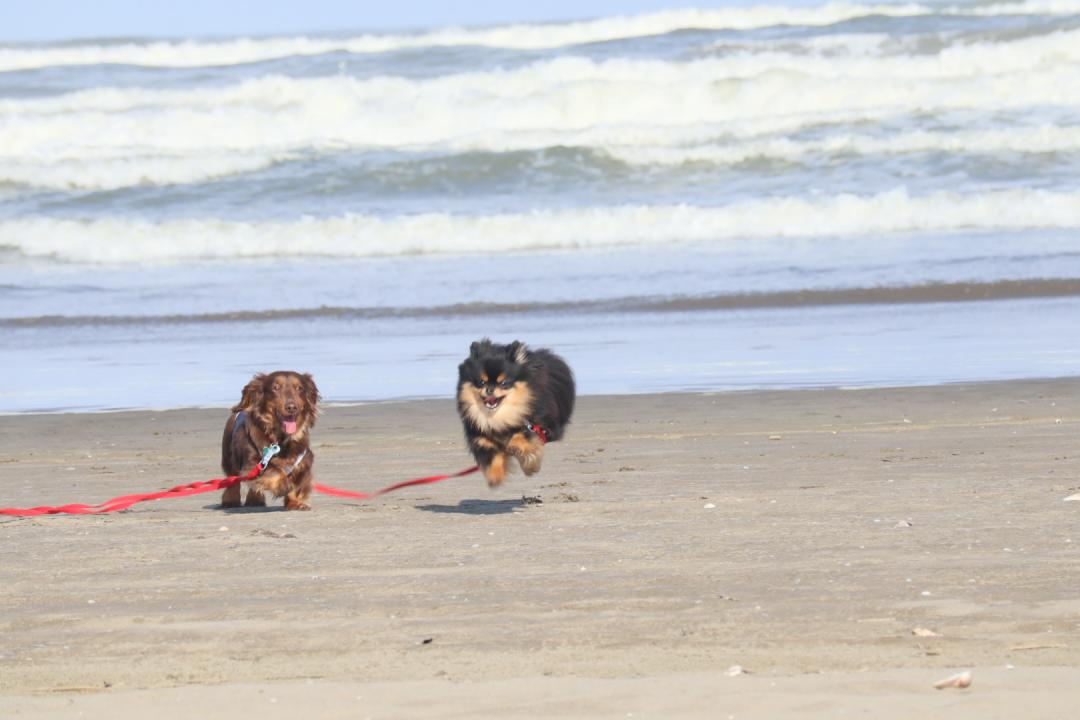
[528, 449]
[495, 472]
[266, 402]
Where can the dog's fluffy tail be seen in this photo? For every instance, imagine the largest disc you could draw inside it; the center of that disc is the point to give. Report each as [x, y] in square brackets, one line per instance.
[553, 372]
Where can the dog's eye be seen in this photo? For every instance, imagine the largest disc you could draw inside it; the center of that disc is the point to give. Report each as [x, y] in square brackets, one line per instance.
[478, 383]
[505, 384]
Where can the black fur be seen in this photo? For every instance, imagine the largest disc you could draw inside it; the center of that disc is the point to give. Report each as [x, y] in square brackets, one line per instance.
[551, 391]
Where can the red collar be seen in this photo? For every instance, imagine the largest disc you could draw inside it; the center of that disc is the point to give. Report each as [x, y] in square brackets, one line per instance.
[540, 432]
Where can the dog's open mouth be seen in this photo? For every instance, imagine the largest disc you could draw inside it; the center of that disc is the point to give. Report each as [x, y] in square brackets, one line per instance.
[491, 402]
[288, 423]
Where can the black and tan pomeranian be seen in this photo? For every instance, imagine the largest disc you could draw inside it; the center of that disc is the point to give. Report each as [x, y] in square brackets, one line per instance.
[512, 400]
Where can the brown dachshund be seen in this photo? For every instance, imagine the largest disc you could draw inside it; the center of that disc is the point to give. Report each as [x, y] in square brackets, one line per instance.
[277, 408]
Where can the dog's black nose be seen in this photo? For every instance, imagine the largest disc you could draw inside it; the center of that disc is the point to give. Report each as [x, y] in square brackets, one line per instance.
[291, 408]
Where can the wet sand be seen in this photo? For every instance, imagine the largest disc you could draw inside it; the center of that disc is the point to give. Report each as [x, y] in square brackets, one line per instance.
[801, 535]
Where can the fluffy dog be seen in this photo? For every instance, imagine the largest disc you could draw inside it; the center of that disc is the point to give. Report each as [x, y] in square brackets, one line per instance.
[277, 408]
[512, 401]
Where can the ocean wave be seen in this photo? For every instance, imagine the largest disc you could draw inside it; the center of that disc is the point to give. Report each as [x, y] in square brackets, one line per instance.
[996, 8]
[190, 53]
[1042, 139]
[109, 138]
[132, 241]
[877, 295]
[127, 170]
[517, 37]
[403, 172]
[1058, 50]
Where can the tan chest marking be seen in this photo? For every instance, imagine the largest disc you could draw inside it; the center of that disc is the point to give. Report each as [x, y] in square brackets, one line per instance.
[511, 414]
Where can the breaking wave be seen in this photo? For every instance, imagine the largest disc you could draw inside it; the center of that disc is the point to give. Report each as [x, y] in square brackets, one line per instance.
[134, 241]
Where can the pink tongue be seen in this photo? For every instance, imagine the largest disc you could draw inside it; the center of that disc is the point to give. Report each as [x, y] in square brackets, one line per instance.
[290, 426]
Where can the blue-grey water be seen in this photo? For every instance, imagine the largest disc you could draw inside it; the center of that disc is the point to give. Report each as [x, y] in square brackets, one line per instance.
[842, 195]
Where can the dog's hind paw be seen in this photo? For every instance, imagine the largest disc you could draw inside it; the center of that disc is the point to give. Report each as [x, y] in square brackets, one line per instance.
[495, 472]
[231, 497]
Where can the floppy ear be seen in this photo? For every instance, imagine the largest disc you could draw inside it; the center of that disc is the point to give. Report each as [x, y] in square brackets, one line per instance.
[311, 393]
[252, 395]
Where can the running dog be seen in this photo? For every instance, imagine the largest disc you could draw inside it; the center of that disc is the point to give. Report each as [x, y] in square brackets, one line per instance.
[512, 400]
[280, 408]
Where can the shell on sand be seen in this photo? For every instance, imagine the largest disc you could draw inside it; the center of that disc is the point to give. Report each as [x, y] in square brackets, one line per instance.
[959, 680]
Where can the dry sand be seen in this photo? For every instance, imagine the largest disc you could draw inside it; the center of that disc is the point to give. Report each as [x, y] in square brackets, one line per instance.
[801, 535]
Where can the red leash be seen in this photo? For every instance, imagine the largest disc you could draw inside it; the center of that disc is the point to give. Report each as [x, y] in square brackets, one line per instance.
[125, 501]
[196, 488]
[337, 492]
[203, 486]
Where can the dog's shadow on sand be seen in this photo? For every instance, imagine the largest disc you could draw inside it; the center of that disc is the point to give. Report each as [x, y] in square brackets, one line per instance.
[476, 507]
[465, 507]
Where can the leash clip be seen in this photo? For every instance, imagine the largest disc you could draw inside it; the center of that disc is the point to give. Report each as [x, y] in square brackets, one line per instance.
[268, 453]
[538, 432]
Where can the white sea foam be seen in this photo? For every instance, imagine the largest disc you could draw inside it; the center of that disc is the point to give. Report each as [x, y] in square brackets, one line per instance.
[110, 138]
[1039, 139]
[1027, 7]
[522, 37]
[132, 170]
[129, 241]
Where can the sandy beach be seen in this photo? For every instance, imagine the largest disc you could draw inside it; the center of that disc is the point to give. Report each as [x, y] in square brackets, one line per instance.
[814, 265]
[847, 549]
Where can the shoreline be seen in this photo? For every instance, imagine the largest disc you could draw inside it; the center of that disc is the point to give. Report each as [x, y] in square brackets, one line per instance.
[407, 400]
[849, 346]
[794, 299]
[804, 536]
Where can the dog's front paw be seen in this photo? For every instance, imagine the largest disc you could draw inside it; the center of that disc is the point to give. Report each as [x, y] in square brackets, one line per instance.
[528, 451]
[255, 498]
[530, 463]
[291, 504]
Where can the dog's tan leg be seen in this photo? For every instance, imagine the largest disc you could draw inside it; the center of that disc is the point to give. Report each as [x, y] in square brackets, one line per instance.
[301, 491]
[295, 502]
[529, 450]
[231, 497]
[272, 481]
[495, 471]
